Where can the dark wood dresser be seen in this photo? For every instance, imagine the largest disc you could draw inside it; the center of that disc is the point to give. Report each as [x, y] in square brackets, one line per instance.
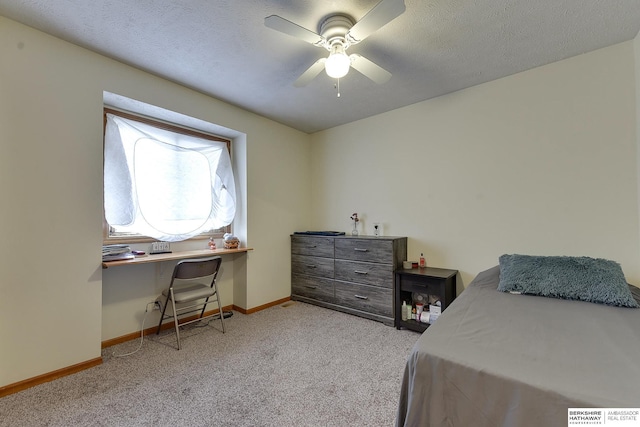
[353, 274]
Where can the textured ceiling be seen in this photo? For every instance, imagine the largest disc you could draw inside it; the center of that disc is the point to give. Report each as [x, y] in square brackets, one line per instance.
[223, 49]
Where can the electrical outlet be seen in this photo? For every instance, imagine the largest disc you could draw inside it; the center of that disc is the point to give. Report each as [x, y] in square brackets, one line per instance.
[156, 305]
[157, 247]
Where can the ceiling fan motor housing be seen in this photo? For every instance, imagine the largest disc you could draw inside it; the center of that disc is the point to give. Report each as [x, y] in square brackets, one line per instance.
[334, 29]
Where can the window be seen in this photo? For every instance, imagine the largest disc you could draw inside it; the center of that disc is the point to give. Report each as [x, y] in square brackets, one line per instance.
[164, 182]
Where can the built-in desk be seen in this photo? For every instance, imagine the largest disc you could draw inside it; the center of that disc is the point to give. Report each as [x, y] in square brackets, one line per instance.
[201, 253]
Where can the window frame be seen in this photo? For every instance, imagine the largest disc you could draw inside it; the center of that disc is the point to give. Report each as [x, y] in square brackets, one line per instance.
[107, 237]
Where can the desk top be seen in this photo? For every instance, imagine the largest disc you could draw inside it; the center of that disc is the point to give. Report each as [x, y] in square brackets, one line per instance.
[174, 255]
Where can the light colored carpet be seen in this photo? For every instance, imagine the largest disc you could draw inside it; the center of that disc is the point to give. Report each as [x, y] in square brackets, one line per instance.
[290, 365]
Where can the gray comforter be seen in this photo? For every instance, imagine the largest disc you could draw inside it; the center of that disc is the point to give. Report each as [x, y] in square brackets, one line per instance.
[497, 359]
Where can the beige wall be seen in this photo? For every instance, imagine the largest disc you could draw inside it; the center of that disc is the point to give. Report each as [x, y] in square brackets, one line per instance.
[636, 45]
[542, 162]
[58, 304]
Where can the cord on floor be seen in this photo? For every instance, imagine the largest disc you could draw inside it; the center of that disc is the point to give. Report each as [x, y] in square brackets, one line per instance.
[226, 315]
[201, 324]
[146, 310]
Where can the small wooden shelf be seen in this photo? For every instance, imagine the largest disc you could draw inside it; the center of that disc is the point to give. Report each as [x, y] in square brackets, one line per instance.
[174, 255]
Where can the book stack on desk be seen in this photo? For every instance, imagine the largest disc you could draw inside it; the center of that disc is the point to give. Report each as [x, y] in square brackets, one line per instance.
[116, 252]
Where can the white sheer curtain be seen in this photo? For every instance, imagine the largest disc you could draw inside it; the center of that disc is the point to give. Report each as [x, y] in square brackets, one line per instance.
[163, 184]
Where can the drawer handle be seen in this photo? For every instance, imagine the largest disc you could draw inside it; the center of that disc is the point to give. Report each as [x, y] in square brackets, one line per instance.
[360, 272]
[311, 287]
[361, 297]
[312, 247]
[312, 266]
[360, 250]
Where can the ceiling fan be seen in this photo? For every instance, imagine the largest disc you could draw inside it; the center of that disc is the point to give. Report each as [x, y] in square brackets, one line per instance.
[337, 32]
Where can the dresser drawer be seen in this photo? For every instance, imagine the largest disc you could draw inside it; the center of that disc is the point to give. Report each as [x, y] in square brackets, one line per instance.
[368, 250]
[311, 265]
[365, 273]
[313, 287]
[371, 299]
[313, 246]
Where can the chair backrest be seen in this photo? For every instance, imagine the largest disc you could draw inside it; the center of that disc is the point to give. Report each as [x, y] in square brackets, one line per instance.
[194, 268]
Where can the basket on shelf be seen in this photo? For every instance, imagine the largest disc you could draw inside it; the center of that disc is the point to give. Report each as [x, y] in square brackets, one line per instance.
[231, 244]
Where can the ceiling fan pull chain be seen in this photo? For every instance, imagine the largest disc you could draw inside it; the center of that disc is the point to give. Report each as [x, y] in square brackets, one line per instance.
[337, 88]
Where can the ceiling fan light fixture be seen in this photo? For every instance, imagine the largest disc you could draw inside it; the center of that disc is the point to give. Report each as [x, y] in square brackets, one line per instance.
[338, 62]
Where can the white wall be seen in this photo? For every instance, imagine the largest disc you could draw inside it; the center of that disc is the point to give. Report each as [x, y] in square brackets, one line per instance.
[53, 286]
[542, 162]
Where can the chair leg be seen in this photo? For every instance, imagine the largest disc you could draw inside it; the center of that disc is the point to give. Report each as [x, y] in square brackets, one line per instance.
[175, 318]
[220, 308]
[221, 316]
[206, 301]
[204, 307]
[164, 309]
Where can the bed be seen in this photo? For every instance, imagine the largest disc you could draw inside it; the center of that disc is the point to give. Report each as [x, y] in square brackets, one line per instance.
[501, 359]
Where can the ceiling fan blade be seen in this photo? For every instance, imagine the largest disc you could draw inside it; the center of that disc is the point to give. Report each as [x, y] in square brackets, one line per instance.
[383, 13]
[311, 73]
[287, 27]
[369, 69]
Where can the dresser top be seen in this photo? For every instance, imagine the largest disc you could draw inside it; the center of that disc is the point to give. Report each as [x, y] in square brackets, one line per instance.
[347, 236]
